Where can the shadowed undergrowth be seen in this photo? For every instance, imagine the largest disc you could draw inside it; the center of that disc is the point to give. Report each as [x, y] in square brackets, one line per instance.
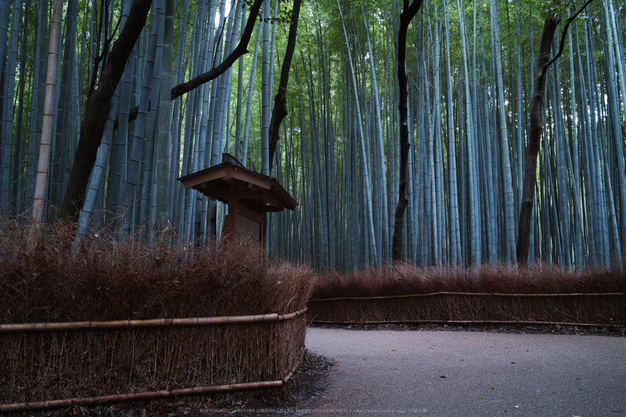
[489, 294]
[45, 279]
[401, 279]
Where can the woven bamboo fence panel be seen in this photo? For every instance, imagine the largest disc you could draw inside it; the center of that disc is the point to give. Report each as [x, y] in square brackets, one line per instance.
[608, 309]
[94, 362]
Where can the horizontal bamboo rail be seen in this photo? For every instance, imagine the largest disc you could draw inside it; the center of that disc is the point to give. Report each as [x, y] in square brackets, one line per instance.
[140, 396]
[293, 370]
[477, 294]
[152, 395]
[135, 324]
[147, 395]
[543, 323]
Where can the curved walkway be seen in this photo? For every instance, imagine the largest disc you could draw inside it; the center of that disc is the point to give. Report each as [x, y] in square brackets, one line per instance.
[440, 373]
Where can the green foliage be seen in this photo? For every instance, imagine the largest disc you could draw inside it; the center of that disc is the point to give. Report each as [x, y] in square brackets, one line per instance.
[325, 167]
[558, 8]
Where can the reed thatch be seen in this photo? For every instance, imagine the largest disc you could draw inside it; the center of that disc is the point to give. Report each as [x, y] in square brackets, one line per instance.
[44, 279]
[490, 294]
[57, 365]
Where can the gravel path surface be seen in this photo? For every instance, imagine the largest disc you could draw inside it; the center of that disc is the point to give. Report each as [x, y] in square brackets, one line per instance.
[437, 373]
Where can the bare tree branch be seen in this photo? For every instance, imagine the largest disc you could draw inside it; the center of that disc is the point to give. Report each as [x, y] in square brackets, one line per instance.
[215, 72]
[564, 34]
[279, 112]
[241, 49]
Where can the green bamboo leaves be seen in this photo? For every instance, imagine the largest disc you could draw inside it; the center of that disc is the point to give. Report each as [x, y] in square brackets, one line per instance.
[198, 81]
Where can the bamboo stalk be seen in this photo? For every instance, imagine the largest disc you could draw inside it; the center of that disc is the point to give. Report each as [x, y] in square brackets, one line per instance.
[550, 323]
[295, 367]
[478, 294]
[148, 395]
[134, 324]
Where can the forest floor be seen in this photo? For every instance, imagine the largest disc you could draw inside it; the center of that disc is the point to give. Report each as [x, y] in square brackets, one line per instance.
[319, 380]
[491, 328]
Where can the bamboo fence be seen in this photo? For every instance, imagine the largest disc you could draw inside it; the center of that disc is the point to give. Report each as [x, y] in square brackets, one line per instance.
[575, 309]
[135, 324]
[51, 365]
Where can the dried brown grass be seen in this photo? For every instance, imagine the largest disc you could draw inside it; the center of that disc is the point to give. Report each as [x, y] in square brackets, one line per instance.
[402, 279]
[44, 279]
[499, 282]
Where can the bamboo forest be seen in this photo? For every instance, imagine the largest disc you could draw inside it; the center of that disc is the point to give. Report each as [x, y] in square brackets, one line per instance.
[514, 112]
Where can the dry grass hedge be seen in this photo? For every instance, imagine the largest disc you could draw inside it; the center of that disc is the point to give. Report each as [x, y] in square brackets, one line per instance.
[45, 279]
[489, 293]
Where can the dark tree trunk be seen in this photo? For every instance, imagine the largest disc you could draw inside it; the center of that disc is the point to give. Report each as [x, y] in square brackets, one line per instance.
[279, 112]
[408, 12]
[98, 103]
[534, 140]
[97, 109]
[536, 129]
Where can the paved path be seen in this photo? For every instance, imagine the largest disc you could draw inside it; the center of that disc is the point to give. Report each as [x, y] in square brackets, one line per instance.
[439, 373]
